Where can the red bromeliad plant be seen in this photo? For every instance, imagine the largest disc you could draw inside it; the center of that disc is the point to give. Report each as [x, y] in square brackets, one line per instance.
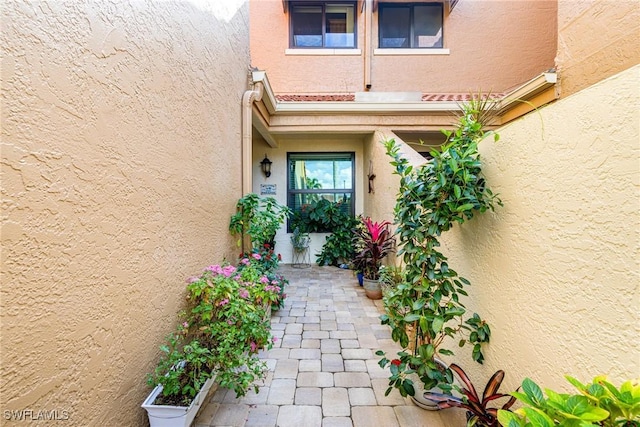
[478, 412]
[373, 242]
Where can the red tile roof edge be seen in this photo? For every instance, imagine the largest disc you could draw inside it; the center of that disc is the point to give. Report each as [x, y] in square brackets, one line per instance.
[350, 97]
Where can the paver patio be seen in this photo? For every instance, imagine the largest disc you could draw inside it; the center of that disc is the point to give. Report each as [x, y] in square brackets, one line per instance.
[322, 370]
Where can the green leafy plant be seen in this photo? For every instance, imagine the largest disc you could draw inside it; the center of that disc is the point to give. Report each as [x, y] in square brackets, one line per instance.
[338, 247]
[227, 314]
[373, 242]
[426, 309]
[223, 328]
[265, 286]
[390, 277]
[599, 403]
[479, 413]
[263, 257]
[258, 219]
[324, 216]
[299, 239]
[182, 371]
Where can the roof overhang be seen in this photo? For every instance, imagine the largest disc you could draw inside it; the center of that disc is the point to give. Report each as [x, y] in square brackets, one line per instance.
[273, 118]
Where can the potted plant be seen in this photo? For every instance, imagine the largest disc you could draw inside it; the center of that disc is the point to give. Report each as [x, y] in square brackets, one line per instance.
[218, 337]
[257, 220]
[182, 380]
[373, 242]
[426, 311]
[324, 216]
[299, 240]
[479, 413]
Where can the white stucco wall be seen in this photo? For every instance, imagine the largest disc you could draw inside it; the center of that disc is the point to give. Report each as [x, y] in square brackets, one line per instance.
[300, 144]
[120, 169]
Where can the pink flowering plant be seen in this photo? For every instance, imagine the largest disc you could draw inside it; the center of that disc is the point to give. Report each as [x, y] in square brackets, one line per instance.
[263, 257]
[221, 332]
[265, 286]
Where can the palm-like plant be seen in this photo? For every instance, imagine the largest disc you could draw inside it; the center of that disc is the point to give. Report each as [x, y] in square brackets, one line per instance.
[373, 242]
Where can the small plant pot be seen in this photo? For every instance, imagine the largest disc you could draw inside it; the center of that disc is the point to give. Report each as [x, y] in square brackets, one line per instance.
[372, 288]
[175, 416]
[418, 399]
[360, 277]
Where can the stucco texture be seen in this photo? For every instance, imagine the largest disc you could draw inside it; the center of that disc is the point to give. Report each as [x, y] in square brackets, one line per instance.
[596, 39]
[555, 271]
[493, 46]
[120, 169]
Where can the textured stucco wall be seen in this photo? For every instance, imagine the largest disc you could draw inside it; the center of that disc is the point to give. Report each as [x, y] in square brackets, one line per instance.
[120, 168]
[294, 73]
[494, 45]
[380, 203]
[596, 39]
[555, 271]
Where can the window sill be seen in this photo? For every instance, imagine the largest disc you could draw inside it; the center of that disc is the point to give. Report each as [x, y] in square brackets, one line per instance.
[323, 52]
[424, 52]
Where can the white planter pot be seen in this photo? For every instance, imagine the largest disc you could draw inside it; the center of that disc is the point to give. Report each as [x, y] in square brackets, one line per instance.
[418, 398]
[175, 416]
[418, 385]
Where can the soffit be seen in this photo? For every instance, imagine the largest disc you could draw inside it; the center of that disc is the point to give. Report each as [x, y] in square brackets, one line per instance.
[284, 114]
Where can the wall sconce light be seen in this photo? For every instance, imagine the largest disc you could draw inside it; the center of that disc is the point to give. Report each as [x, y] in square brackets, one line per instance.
[266, 166]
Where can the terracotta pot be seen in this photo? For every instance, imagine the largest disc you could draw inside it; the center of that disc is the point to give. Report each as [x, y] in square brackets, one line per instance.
[372, 288]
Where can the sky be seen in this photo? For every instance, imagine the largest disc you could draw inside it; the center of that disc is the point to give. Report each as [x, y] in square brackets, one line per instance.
[322, 170]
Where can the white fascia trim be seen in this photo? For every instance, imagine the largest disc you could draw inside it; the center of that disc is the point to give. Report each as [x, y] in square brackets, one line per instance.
[525, 91]
[324, 52]
[406, 52]
[528, 89]
[362, 107]
[268, 98]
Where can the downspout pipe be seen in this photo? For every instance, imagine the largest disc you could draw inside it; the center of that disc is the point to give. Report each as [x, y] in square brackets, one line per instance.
[249, 97]
[368, 43]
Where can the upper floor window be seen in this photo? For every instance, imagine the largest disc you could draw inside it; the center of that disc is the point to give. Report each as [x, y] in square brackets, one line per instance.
[323, 25]
[405, 26]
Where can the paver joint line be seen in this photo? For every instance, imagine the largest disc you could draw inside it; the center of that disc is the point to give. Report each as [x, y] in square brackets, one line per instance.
[322, 371]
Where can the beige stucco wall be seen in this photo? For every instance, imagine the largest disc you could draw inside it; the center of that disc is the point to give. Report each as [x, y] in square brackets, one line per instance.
[379, 204]
[596, 39]
[493, 46]
[555, 271]
[120, 168]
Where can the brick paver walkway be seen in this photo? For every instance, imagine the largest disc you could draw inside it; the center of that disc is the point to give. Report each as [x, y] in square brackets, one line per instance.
[322, 370]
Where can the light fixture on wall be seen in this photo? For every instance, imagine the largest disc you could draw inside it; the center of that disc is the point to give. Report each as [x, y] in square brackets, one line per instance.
[266, 166]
